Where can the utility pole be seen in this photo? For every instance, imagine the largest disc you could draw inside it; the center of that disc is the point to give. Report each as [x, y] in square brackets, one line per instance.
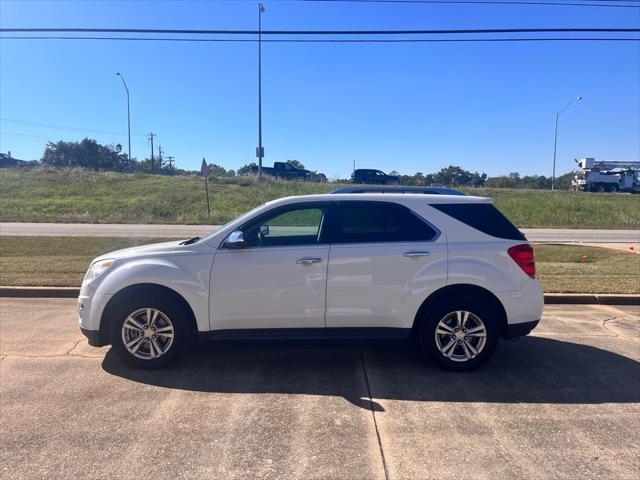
[151, 137]
[170, 160]
[160, 152]
[260, 149]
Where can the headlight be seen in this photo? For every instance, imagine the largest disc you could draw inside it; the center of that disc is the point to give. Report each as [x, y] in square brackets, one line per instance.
[97, 269]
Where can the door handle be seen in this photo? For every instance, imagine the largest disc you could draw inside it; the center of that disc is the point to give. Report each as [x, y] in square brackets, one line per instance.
[416, 253]
[308, 260]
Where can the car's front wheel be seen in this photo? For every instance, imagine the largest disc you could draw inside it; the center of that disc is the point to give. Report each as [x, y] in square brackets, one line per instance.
[148, 332]
[459, 335]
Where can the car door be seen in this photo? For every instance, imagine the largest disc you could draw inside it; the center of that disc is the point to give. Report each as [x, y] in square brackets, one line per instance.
[278, 280]
[384, 262]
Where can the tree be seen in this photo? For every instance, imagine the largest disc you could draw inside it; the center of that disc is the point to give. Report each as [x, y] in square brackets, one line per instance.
[247, 169]
[216, 170]
[563, 182]
[86, 154]
[295, 163]
[453, 176]
[514, 180]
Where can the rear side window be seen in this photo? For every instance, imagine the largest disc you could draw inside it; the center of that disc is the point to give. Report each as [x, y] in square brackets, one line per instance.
[482, 216]
[375, 223]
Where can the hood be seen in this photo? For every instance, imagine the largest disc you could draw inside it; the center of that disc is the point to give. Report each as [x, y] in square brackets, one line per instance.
[153, 248]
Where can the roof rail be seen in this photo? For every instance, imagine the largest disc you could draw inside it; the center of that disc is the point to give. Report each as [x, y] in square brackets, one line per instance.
[423, 190]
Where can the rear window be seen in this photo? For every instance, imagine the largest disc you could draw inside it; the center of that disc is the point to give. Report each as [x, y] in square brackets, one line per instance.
[482, 216]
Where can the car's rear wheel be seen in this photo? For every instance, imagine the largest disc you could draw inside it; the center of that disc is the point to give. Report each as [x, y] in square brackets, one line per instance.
[460, 334]
[148, 332]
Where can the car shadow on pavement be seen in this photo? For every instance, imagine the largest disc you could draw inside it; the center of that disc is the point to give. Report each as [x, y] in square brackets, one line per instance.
[533, 370]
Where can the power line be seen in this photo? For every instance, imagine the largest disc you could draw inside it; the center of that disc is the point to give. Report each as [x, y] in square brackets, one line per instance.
[607, 4]
[4, 132]
[336, 40]
[62, 127]
[436, 1]
[320, 32]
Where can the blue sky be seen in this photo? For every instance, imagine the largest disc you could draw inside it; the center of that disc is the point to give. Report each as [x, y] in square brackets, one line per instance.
[405, 107]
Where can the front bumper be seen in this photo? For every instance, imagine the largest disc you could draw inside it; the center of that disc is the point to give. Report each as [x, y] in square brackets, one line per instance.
[89, 310]
[516, 330]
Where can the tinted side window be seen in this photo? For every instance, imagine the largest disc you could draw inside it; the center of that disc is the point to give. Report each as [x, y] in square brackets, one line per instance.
[374, 223]
[482, 216]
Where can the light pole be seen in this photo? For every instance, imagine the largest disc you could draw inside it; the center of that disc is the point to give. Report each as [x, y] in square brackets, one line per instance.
[555, 141]
[260, 150]
[128, 115]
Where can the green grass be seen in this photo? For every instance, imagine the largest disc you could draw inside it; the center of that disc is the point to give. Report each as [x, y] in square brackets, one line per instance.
[81, 196]
[62, 261]
[571, 269]
[55, 261]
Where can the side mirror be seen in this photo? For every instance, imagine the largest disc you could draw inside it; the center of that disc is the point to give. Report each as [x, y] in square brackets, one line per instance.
[236, 240]
[264, 230]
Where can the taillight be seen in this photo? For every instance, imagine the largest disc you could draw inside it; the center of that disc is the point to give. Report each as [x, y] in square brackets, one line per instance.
[523, 256]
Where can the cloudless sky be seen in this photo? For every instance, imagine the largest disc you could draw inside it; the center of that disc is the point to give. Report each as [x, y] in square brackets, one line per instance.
[408, 107]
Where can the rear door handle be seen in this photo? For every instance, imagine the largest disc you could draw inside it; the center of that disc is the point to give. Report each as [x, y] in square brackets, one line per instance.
[416, 253]
[308, 260]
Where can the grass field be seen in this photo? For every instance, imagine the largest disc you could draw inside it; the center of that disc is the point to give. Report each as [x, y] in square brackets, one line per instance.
[62, 261]
[77, 196]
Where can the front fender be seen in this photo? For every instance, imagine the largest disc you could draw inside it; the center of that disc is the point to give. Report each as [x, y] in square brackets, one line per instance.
[188, 275]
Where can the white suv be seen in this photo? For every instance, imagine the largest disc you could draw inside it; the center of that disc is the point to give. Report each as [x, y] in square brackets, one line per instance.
[448, 270]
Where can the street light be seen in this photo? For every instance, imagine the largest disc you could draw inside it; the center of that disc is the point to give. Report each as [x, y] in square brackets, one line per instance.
[128, 115]
[555, 141]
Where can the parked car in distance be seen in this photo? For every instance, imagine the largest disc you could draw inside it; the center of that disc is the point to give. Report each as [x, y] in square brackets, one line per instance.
[373, 177]
[284, 170]
[447, 270]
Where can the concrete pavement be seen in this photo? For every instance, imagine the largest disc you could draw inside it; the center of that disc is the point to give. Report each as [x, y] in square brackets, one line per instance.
[551, 235]
[560, 404]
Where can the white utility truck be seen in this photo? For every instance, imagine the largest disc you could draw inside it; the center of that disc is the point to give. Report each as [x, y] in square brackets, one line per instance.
[607, 176]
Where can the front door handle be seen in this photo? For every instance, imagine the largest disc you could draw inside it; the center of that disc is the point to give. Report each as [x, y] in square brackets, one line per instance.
[308, 260]
[416, 253]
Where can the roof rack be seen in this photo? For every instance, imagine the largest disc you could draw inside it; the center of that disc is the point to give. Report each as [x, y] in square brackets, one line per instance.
[423, 190]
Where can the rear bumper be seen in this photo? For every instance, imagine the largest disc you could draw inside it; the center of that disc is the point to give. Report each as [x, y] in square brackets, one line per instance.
[516, 330]
[94, 337]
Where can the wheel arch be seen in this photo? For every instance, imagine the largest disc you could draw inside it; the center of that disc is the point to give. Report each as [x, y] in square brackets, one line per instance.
[143, 289]
[464, 290]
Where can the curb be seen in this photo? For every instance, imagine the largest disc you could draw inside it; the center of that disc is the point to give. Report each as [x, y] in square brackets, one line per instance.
[590, 299]
[39, 292]
[549, 298]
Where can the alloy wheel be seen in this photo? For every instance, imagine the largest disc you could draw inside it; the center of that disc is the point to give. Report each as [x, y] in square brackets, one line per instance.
[461, 336]
[147, 333]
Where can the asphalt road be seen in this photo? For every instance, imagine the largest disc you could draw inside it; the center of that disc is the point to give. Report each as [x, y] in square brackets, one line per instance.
[555, 235]
[560, 404]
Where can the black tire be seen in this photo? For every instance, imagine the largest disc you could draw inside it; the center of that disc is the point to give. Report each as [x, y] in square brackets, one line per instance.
[429, 342]
[173, 313]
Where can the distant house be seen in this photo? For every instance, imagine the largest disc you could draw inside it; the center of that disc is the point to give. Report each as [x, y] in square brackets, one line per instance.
[7, 161]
